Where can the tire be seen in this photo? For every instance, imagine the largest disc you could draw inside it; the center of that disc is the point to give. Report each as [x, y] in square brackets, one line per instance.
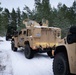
[73, 30]
[28, 52]
[49, 53]
[60, 65]
[13, 46]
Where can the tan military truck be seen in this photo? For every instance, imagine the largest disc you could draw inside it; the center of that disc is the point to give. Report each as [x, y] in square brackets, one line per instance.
[65, 55]
[36, 37]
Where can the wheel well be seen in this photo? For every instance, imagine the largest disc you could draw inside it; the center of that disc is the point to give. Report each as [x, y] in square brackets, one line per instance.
[26, 43]
[61, 49]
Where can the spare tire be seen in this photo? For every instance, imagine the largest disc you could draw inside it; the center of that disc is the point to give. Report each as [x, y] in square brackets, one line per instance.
[73, 30]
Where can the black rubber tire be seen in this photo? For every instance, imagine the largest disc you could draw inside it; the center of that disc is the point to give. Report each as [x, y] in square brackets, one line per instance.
[71, 38]
[28, 52]
[49, 53]
[60, 65]
[13, 46]
[73, 30]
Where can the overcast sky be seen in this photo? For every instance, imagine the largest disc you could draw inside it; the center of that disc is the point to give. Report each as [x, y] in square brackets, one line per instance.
[30, 3]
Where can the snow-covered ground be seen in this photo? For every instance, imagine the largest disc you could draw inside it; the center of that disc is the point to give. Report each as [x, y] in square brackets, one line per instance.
[15, 63]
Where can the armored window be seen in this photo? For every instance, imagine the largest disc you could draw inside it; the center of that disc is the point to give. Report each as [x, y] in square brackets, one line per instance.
[24, 32]
[59, 35]
[29, 32]
[20, 32]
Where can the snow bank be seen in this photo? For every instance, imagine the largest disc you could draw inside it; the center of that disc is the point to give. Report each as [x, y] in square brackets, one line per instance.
[5, 64]
[15, 63]
[2, 39]
[5, 61]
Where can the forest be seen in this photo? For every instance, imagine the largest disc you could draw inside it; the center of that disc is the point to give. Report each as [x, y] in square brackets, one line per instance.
[62, 16]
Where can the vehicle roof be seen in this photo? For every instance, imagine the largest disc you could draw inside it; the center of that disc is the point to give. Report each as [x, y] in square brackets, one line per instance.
[47, 27]
[41, 27]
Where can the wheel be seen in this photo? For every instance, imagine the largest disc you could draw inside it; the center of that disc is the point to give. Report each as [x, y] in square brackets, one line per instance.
[73, 30]
[13, 46]
[60, 65]
[49, 53]
[28, 52]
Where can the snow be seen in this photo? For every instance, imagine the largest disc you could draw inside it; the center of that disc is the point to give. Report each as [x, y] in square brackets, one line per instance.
[5, 61]
[15, 63]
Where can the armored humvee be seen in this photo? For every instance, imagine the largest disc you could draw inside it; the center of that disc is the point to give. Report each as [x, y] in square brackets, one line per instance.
[36, 37]
[65, 55]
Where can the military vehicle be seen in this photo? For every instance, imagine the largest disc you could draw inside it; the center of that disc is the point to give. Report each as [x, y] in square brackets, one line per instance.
[10, 32]
[65, 55]
[36, 38]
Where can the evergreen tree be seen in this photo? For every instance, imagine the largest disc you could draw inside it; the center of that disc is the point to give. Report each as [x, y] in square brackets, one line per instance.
[44, 10]
[22, 17]
[28, 12]
[74, 9]
[71, 14]
[62, 16]
[1, 18]
[13, 19]
[61, 20]
[18, 16]
[38, 10]
[6, 18]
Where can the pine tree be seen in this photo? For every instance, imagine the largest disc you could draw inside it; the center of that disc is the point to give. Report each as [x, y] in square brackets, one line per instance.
[38, 10]
[18, 16]
[14, 19]
[43, 10]
[20, 20]
[74, 9]
[1, 19]
[61, 20]
[6, 18]
[24, 15]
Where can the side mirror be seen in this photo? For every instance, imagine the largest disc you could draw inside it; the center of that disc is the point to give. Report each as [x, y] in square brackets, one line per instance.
[71, 38]
[16, 33]
[20, 32]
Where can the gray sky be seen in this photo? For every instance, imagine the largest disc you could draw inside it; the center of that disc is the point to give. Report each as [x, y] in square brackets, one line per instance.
[30, 3]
